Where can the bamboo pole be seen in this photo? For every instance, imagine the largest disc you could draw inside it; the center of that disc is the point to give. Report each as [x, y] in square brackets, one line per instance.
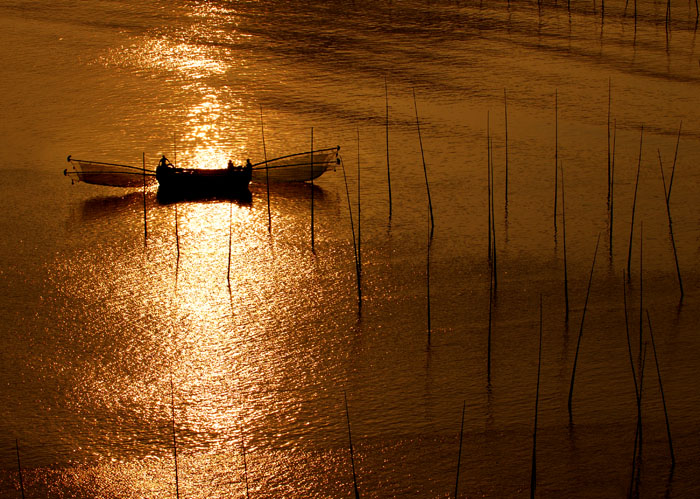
[670, 228]
[19, 468]
[425, 169]
[230, 242]
[556, 154]
[352, 455]
[430, 329]
[388, 170]
[641, 286]
[493, 229]
[580, 332]
[177, 240]
[267, 172]
[533, 472]
[634, 204]
[311, 155]
[245, 471]
[145, 221]
[488, 176]
[609, 158]
[459, 455]
[172, 406]
[663, 398]
[563, 223]
[673, 169]
[488, 353]
[505, 107]
[359, 217]
[612, 190]
[354, 240]
[627, 331]
[637, 454]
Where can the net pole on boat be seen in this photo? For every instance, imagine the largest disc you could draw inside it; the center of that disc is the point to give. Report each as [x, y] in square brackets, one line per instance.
[267, 173]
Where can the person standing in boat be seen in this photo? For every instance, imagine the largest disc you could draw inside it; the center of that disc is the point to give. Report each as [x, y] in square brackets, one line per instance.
[230, 165]
[248, 164]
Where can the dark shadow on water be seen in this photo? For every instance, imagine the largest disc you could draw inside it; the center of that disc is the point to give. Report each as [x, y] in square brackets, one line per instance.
[166, 197]
[99, 207]
[287, 190]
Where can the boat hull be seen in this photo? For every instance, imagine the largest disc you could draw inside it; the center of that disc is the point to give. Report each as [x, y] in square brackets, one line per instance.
[194, 183]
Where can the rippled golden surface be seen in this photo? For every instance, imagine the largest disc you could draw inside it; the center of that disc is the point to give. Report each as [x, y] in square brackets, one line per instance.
[245, 339]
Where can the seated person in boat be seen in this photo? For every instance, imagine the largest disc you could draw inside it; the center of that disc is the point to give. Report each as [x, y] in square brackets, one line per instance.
[164, 162]
[230, 164]
[248, 164]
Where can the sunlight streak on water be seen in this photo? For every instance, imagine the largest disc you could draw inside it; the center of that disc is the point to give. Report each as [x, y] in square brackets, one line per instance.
[100, 314]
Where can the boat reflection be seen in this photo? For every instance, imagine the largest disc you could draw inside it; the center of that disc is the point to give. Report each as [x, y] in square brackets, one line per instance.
[288, 190]
[170, 196]
[102, 206]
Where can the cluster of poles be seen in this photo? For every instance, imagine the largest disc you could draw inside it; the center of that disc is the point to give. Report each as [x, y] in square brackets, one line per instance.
[637, 371]
[632, 10]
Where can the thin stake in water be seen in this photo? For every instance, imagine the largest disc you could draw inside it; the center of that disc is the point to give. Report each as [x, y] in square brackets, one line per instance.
[145, 222]
[488, 353]
[493, 228]
[673, 169]
[177, 246]
[425, 169]
[230, 242]
[311, 155]
[488, 177]
[172, 406]
[352, 455]
[637, 454]
[430, 328]
[556, 154]
[609, 159]
[663, 398]
[634, 204]
[388, 170]
[459, 455]
[354, 240]
[563, 223]
[670, 228]
[359, 218]
[245, 471]
[267, 173]
[533, 472]
[612, 190]
[505, 107]
[580, 332]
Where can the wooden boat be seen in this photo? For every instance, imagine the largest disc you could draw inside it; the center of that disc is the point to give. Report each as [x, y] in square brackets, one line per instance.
[199, 182]
[188, 183]
[298, 167]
